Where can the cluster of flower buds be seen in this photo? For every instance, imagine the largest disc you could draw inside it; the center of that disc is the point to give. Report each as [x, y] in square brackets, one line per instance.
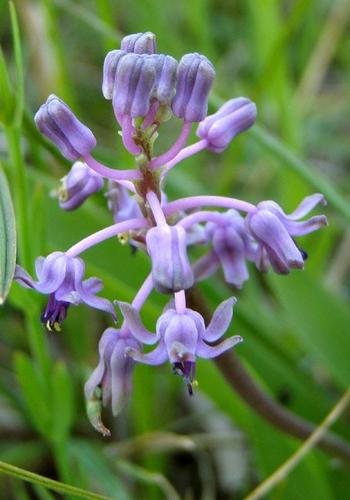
[147, 88]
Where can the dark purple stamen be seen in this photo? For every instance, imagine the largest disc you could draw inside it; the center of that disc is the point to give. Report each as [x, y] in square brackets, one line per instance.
[55, 313]
[186, 369]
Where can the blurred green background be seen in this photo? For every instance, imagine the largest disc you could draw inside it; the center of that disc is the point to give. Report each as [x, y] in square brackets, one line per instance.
[292, 58]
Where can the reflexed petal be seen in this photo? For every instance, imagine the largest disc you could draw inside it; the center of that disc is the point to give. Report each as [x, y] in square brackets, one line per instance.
[208, 352]
[220, 321]
[23, 278]
[305, 227]
[133, 320]
[156, 357]
[308, 204]
[52, 273]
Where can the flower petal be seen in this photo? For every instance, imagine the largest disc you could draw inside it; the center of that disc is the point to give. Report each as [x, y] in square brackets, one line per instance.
[208, 352]
[308, 204]
[220, 321]
[133, 320]
[307, 226]
[156, 357]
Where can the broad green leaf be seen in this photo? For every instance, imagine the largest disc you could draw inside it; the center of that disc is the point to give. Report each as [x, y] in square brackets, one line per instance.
[319, 319]
[7, 238]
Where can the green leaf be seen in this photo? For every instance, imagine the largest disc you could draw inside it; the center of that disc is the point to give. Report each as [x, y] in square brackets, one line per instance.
[62, 403]
[34, 394]
[19, 64]
[6, 96]
[7, 239]
[319, 319]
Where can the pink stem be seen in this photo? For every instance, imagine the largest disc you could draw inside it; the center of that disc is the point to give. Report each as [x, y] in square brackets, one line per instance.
[161, 160]
[104, 234]
[156, 208]
[143, 293]
[180, 301]
[111, 173]
[209, 201]
[198, 217]
[149, 118]
[185, 153]
[127, 133]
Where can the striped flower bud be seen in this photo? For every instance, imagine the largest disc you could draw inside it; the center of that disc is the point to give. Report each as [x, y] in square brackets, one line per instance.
[109, 71]
[233, 118]
[57, 121]
[140, 43]
[195, 75]
[134, 82]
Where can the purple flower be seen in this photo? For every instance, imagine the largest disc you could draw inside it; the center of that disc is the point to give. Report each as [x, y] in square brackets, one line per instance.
[232, 246]
[274, 231]
[164, 88]
[181, 337]
[134, 83]
[61, 277]
[195, 75]
[233, 118]
[171, 269]
[140, 43]
[110, 66]
[57, 121]
[111, 381]
[122, 205]
[78, 185]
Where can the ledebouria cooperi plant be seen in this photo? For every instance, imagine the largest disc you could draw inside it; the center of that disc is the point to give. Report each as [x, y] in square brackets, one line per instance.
[147, 89]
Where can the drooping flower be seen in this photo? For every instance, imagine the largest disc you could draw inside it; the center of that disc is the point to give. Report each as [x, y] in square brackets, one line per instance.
[61, 277]
[78, 185]
[111, 381]
[274, 231]
[171, 269]
[195, 75]
[57, 121]
[232, 246]
[181, 337]
[233, 118]
[165, 84]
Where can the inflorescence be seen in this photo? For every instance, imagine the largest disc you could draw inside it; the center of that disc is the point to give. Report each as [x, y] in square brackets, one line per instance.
[147, 89]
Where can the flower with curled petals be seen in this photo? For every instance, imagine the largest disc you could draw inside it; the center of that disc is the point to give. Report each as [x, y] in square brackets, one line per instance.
[274, 231]
[80, 183]
[232, 246]
[111, 381]
[181, 337]
[61, 277]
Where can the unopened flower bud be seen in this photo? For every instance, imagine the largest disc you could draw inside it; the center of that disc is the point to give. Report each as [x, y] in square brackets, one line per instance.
[171, 269]
[164, 89]
[78, 185]
[233, 118]
[134, 84]
[140, 43]
[110, 66]
[195, 75]
[57, 121]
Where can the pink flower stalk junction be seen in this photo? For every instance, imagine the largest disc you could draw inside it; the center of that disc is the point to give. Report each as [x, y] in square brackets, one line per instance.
[146, 89]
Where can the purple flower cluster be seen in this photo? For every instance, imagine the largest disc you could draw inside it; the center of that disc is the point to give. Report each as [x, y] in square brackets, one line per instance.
[146, 89]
